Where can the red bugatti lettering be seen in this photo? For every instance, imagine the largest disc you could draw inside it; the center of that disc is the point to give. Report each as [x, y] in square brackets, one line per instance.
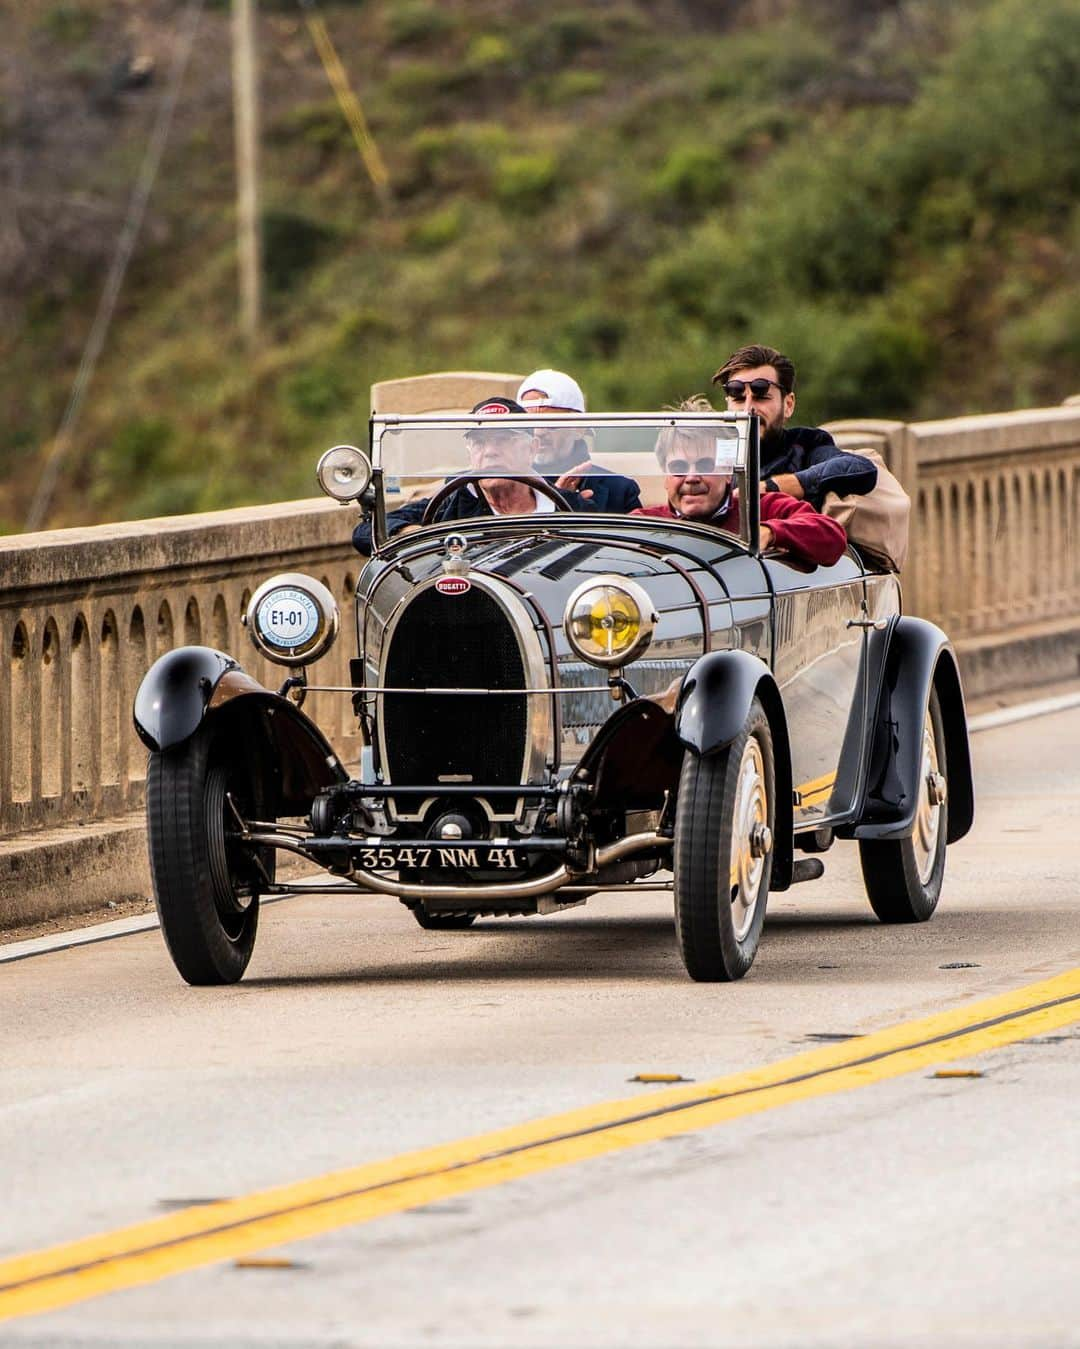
[453, 585]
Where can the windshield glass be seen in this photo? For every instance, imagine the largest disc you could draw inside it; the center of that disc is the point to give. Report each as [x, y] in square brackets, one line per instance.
[573, 452]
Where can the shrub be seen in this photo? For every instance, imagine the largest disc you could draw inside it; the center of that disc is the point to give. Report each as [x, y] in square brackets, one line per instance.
[140, 447]
[439, 228]
[867, 364]
[320, 124]
[567, 86]
[592, 335]
[525, 182]
[69, 23]
[292, 244]
[489, 52]
[692, 177]
[359, 325]
[412, 23]
[316, 391]
[458, 156]
[562, 37]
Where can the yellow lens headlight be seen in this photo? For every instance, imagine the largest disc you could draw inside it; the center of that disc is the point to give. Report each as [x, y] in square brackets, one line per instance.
[609, 621]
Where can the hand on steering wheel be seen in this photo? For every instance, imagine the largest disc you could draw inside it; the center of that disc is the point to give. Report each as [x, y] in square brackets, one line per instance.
[458, 484]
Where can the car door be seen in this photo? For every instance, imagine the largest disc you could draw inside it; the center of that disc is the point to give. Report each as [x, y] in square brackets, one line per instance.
[819, 660]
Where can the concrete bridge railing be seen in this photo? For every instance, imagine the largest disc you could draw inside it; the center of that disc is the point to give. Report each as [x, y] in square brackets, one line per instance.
[995, 549]
[84, 612]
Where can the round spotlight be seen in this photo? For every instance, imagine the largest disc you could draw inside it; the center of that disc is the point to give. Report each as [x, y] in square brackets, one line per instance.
[344, 472]
[293, 619]
[609, 621]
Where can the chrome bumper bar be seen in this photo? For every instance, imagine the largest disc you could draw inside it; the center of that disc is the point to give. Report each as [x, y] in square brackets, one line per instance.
[530, 889]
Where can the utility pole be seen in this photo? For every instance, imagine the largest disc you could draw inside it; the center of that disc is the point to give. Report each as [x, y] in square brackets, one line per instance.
[245, 116]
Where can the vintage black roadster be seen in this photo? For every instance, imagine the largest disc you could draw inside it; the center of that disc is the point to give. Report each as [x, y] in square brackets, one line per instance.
[559, 703]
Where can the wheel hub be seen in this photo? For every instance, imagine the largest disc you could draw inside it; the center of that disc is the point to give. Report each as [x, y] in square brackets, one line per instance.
[760, 840]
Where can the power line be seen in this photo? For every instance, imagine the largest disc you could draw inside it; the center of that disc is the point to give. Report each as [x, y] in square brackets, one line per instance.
[125, 246]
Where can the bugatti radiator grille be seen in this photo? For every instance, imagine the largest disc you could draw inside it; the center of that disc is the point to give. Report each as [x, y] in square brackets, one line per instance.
[454, 641]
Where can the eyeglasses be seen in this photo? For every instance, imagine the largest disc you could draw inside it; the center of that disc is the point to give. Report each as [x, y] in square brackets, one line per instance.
[684, 468]
[735, 389]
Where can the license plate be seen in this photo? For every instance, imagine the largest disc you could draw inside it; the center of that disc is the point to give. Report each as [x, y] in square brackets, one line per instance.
[474, 856]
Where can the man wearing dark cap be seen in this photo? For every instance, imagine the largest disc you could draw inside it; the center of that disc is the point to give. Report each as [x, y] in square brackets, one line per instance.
[506, 448]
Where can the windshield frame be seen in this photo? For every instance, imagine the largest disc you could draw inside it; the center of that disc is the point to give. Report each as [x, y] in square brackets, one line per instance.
[746, 470]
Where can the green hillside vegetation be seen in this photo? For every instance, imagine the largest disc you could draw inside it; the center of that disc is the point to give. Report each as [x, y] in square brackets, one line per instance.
[887, 190]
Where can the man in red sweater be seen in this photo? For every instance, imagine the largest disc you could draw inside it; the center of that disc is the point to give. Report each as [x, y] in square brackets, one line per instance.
[695, 491]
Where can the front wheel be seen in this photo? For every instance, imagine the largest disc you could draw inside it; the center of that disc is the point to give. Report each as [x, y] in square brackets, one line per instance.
[206, 882]
[723, 852]
[903, 876]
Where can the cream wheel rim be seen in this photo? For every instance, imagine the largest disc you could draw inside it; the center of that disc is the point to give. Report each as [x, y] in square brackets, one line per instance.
[928, 811]
[749, 826]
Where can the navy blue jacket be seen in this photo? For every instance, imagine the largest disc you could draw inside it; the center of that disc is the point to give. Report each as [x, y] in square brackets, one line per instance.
[820, 466]
[610, 491]
[461, 505]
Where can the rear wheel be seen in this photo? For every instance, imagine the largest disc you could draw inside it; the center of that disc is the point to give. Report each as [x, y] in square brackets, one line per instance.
[206, 881]
[903, 876]
[723, 852]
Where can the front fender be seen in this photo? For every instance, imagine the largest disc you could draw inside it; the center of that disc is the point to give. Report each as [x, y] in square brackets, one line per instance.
[175, 692]
[715, 698]
[713, 705]
[187, 687]
[919, 659]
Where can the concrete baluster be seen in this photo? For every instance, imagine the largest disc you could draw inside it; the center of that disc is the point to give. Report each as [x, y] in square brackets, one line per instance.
[84, 775]
[112, 722]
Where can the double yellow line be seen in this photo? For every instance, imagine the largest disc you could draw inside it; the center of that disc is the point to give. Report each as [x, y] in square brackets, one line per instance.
[54, 1278]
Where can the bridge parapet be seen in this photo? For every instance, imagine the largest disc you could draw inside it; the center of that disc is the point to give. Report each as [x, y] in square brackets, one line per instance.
[995, 533]
[85, 612]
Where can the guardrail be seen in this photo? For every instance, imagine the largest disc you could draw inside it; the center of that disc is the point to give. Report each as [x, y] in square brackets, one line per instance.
[84, 612]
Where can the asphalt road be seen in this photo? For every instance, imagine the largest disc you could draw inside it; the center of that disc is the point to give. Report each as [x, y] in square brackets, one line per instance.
[912, 1210]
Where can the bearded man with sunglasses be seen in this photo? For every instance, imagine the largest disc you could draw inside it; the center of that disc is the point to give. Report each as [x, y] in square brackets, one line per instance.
[697, 491]
[803, 461]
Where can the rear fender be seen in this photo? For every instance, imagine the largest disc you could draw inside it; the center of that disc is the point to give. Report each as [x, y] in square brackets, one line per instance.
[920, 658]
[713, 705]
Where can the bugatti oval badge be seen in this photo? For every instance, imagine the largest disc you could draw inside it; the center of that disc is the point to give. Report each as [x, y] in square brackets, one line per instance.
[453, 585]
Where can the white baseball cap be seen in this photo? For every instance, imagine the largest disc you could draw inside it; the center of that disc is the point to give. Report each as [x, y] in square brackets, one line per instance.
[559, 391]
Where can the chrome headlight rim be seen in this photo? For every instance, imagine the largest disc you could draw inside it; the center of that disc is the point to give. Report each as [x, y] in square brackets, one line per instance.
[647, 619]
[292, 619]
[347, 460]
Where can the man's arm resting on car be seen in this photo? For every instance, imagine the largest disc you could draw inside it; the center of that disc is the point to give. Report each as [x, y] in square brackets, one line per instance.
[829, 471]
[797, 528]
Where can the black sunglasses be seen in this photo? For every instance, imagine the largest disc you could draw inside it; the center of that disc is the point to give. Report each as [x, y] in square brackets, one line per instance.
[683, 468]
[735, 389]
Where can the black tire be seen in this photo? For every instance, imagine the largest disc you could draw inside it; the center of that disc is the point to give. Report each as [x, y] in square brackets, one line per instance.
[903, 876]
[443, 922]
[206, 885]
[718, 925]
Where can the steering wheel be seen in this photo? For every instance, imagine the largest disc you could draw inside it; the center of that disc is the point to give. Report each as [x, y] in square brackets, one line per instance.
[456, 484]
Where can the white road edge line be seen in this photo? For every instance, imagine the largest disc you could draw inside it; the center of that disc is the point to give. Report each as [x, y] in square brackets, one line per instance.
[1005, 716]
[124, 927]
[87, 936]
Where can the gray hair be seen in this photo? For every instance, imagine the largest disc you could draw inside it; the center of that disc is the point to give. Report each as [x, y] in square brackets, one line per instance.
[671, 436]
